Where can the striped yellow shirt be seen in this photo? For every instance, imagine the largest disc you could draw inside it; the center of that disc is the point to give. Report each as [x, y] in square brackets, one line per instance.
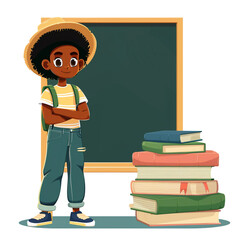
[66, 100]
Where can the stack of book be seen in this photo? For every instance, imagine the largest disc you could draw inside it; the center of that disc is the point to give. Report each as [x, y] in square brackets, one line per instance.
[174, 184]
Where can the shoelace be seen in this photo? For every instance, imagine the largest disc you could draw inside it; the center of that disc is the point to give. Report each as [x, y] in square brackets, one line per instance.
[82, 216]
[40, 216]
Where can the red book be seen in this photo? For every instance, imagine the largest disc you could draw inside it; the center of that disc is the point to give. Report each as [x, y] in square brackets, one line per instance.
[145, 158]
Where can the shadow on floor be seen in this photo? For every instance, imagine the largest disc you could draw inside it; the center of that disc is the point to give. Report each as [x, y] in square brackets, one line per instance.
[116, 222]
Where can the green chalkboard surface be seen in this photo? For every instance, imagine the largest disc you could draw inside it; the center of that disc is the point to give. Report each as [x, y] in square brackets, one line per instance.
[131, 88]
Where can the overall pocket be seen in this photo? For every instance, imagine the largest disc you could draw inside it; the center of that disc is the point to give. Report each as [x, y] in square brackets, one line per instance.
[53, 135]
[79, 133]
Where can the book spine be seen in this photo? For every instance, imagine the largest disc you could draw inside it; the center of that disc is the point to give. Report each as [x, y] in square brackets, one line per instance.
[170, 137]
[147, 158]
[145, 147]
[178, 224]
[174, 179]
[157, 147]
[131, 186]
[163, 137]
[181, 187]
[191, 204]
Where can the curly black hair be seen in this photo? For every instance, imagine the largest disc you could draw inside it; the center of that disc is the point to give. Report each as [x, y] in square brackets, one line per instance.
[49, 41]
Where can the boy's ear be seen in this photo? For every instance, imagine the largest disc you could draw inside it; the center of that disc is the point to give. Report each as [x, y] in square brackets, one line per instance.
[81, 64]
[46, 64]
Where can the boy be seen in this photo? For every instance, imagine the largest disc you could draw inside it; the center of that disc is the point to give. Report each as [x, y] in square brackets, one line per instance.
[59, 50]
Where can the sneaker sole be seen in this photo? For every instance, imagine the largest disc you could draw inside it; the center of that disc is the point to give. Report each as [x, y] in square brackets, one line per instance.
[91, 224]
[30, 224]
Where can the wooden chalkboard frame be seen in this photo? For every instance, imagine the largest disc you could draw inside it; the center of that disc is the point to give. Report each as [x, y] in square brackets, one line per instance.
[128, 167]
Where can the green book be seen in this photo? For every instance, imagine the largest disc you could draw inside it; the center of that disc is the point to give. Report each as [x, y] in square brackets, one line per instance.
[171, 148]
[163, 204]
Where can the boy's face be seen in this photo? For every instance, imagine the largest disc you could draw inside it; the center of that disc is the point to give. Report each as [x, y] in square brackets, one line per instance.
[64, 62]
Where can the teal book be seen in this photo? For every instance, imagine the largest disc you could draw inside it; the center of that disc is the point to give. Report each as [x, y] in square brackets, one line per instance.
[173, 136]
[173, 148]
[164, 204]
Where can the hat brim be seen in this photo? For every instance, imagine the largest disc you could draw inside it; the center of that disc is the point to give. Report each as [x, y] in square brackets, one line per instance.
[60, 26]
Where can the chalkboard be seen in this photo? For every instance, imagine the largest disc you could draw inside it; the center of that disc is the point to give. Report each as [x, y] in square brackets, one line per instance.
[131, 85]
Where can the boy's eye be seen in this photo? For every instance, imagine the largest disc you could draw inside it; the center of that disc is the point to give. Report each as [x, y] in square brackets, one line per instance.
[58, 62]
[73, 62]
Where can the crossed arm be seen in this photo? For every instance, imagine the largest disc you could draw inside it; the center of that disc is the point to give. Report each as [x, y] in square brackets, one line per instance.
[56, 115]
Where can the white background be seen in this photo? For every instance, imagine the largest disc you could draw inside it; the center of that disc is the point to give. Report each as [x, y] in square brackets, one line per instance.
[211, 66]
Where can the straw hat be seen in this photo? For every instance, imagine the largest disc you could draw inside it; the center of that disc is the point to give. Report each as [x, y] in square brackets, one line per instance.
[58, 24]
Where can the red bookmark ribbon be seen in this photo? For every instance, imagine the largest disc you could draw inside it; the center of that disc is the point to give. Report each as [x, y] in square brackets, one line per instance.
[183, 187]
[206, 186]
